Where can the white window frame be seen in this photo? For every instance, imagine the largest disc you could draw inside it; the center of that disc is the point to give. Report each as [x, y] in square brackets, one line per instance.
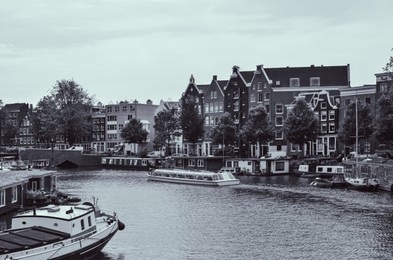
[315, 81]
[294, 82]
[2, 197]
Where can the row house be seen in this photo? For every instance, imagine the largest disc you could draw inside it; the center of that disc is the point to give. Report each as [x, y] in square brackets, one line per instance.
[276, 89]
[118, 115]
[213, 109]
[98, 138]
[15, 120]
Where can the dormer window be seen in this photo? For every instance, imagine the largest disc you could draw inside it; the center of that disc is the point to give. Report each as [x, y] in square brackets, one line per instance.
[315, 81]
[294, 82]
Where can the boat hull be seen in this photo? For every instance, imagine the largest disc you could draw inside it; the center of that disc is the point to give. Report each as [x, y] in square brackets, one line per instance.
[194, 182]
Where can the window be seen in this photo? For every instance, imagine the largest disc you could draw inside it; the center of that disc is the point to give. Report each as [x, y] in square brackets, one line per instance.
[279, 109]
[206, 108]
[252, 97]
[82, 224]
[220, 107]
[294, 82]
[368, 100]
[259, 85]
[280, 166]
[332, 143]
[109, 109]
[332, 127]
[323, 115]
[279, 121]
[89, 221]
[2, 197]
[332, 115]
[279, 135]
[260, 97]
[116, 108]
[34, 186]
[201, 163]
[14, 195]
[191, 162]
[315, 81]
[267, 96]
[207, 120]
[124, 108]
[383, 88]
[323, 105]
[129, 117]
[323, 128]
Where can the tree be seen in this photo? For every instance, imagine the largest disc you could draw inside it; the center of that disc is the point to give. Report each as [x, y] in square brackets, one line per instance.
[133, 132]
[9, 133]
[191, 121]
[67, 111]
[301, 125]
[224, 133]
[384, 119]
[347, 131]
[167, 127]
[257, 129]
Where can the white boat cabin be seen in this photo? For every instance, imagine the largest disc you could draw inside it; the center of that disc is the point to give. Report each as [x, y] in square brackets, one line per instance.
[72, 220]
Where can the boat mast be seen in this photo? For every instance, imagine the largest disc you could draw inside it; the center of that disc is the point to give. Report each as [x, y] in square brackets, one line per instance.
[356, 137]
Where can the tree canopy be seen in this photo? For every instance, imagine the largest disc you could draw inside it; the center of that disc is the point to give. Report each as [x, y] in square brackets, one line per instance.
[167, 127]
[225, 131]
[347, 131]
[301, 125]
[191, 121]
[257, 128]
[133, 132]
[65, 111]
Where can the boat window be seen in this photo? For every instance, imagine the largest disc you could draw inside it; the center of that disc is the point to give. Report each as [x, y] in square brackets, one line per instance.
[319, 169]
[340, 170]
[329, 169]
[220, 177]
[89, 221]
[208, 178]
[215, 177]
[82, 224]
[200, 178]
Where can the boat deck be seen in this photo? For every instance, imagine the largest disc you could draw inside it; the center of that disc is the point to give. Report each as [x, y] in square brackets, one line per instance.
[11, 241]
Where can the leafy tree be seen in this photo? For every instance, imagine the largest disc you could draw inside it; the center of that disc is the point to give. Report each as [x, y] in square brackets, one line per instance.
[45, 118]
[191, 121]
[347, 131]
[257, 129]
[133, 132]
[301, 125]
[167, 127]
[68, 107]
[384, 119]
[9, 133]
[225, 131]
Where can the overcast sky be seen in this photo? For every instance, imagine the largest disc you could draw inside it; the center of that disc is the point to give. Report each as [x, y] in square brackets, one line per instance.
[147, 49]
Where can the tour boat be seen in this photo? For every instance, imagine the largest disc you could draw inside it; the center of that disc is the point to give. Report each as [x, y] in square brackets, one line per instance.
[59, 232]
[193, 177]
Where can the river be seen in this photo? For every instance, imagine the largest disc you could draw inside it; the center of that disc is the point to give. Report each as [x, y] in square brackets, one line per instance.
[278, 217]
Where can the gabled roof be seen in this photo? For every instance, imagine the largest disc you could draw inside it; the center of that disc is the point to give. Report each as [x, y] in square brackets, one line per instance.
[329, 75]
[14, 106]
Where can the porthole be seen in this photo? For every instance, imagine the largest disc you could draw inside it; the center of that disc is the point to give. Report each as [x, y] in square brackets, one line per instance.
[24, 222]
[55, 224]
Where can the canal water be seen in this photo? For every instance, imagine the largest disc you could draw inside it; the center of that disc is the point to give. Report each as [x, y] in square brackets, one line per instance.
[279, 217]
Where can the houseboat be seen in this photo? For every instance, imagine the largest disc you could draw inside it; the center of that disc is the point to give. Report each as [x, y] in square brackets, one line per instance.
[205, 178]
[15, 187]
[244, 166]
[319, 167]
[59, 232]
[131, 163]
[275, 165]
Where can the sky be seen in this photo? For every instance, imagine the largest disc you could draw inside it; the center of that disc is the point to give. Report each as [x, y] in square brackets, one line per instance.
[119, 50]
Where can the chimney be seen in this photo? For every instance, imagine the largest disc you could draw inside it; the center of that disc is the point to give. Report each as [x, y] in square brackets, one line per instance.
[214, 77]
[149, 102]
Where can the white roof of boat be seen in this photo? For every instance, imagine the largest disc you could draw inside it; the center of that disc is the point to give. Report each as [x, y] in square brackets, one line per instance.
[55, 211]
[186, 171]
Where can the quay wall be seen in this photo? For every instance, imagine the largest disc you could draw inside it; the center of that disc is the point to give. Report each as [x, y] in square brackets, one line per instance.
[60, 156]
